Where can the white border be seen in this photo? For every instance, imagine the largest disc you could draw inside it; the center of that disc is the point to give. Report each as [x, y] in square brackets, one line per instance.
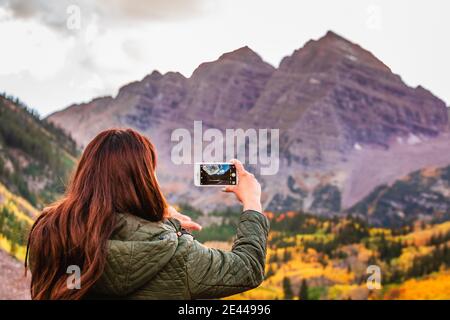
[197, 175]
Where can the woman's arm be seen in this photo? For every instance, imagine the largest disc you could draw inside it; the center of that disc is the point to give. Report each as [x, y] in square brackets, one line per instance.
[215, 273]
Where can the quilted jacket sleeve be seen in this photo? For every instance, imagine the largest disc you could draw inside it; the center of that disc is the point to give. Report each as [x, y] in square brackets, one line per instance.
[213, 273]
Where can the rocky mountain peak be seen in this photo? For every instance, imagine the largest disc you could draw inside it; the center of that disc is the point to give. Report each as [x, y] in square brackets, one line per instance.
[244, 54]
[333, 36]
[155, 75]
[239, 59]
[332, 100]
[329, 51]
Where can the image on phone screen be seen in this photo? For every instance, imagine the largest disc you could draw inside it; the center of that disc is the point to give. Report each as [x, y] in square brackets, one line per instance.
[217, 174]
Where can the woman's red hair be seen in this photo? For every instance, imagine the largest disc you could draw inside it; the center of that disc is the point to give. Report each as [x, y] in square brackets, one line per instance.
[116, 173]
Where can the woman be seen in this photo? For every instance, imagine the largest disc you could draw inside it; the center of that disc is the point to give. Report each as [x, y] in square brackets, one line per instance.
[116, 227]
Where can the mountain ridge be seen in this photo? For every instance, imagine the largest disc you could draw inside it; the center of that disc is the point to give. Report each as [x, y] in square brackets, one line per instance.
[329, 99]
[35, 156]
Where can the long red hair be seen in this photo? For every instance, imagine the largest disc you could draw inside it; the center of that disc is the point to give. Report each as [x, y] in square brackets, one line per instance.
[116, 173]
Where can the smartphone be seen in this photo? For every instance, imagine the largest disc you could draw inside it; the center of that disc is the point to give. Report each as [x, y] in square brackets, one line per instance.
[215, 174]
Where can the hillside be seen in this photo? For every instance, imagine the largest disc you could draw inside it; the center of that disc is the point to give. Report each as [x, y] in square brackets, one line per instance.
[433, 287]
[422, 194]
[35, 161]
[330, 257]
[16, 218]
[35, 156]
[336, 106]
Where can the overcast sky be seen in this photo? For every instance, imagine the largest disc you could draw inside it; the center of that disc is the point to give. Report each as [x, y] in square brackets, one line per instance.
[50, 59]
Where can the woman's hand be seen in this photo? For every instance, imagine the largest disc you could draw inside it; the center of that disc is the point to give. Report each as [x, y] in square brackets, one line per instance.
[248, 189]
[185, 221]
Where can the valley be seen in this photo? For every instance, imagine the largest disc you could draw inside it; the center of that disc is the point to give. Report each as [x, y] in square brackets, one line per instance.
[329, 259]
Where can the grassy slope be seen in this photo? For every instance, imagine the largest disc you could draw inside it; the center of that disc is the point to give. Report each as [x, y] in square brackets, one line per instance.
[35, 157]
[35, 161]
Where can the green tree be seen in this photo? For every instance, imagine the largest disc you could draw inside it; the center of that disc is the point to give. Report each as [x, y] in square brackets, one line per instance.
[270, 272]
[287, 289]
[303, 292]
[273, 258]
[286, 256]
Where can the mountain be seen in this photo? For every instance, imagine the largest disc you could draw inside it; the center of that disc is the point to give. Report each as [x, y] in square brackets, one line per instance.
[334, 95]
[448, 111]
[347, 123]
[422, 194]
[35, 156]
[214, 94]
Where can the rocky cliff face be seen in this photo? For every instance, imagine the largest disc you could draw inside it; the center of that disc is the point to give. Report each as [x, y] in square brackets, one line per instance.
[332, 100]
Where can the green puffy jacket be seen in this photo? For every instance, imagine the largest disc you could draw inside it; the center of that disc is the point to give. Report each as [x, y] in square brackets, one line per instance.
[158, 260]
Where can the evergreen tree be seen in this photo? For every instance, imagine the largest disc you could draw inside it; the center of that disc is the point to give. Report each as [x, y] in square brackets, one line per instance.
[303, 292]
[286, 255]
[287, 289]
[270, 272]
[274, 258]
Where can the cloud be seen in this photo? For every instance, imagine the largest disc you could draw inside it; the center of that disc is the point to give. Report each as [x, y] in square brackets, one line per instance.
[150, 9]
[102, 44]
[53, 13]
[49, 49]
[50, 13]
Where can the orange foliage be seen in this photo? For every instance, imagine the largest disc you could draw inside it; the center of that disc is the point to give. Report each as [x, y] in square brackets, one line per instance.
[433, 287]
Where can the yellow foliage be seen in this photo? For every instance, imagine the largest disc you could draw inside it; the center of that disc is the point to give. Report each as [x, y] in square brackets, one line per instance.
[338, 279]
[346, 291]
[421, 237]
[379, 231]
[19, 251]
[260, 293]
[433, 287]
[23, 208]
[406, 259]
[23, 211]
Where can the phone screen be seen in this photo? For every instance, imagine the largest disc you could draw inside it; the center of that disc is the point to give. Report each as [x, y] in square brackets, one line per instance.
[217, 174]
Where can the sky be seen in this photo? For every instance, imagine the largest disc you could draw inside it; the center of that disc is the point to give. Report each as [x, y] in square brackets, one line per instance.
[58, 52]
